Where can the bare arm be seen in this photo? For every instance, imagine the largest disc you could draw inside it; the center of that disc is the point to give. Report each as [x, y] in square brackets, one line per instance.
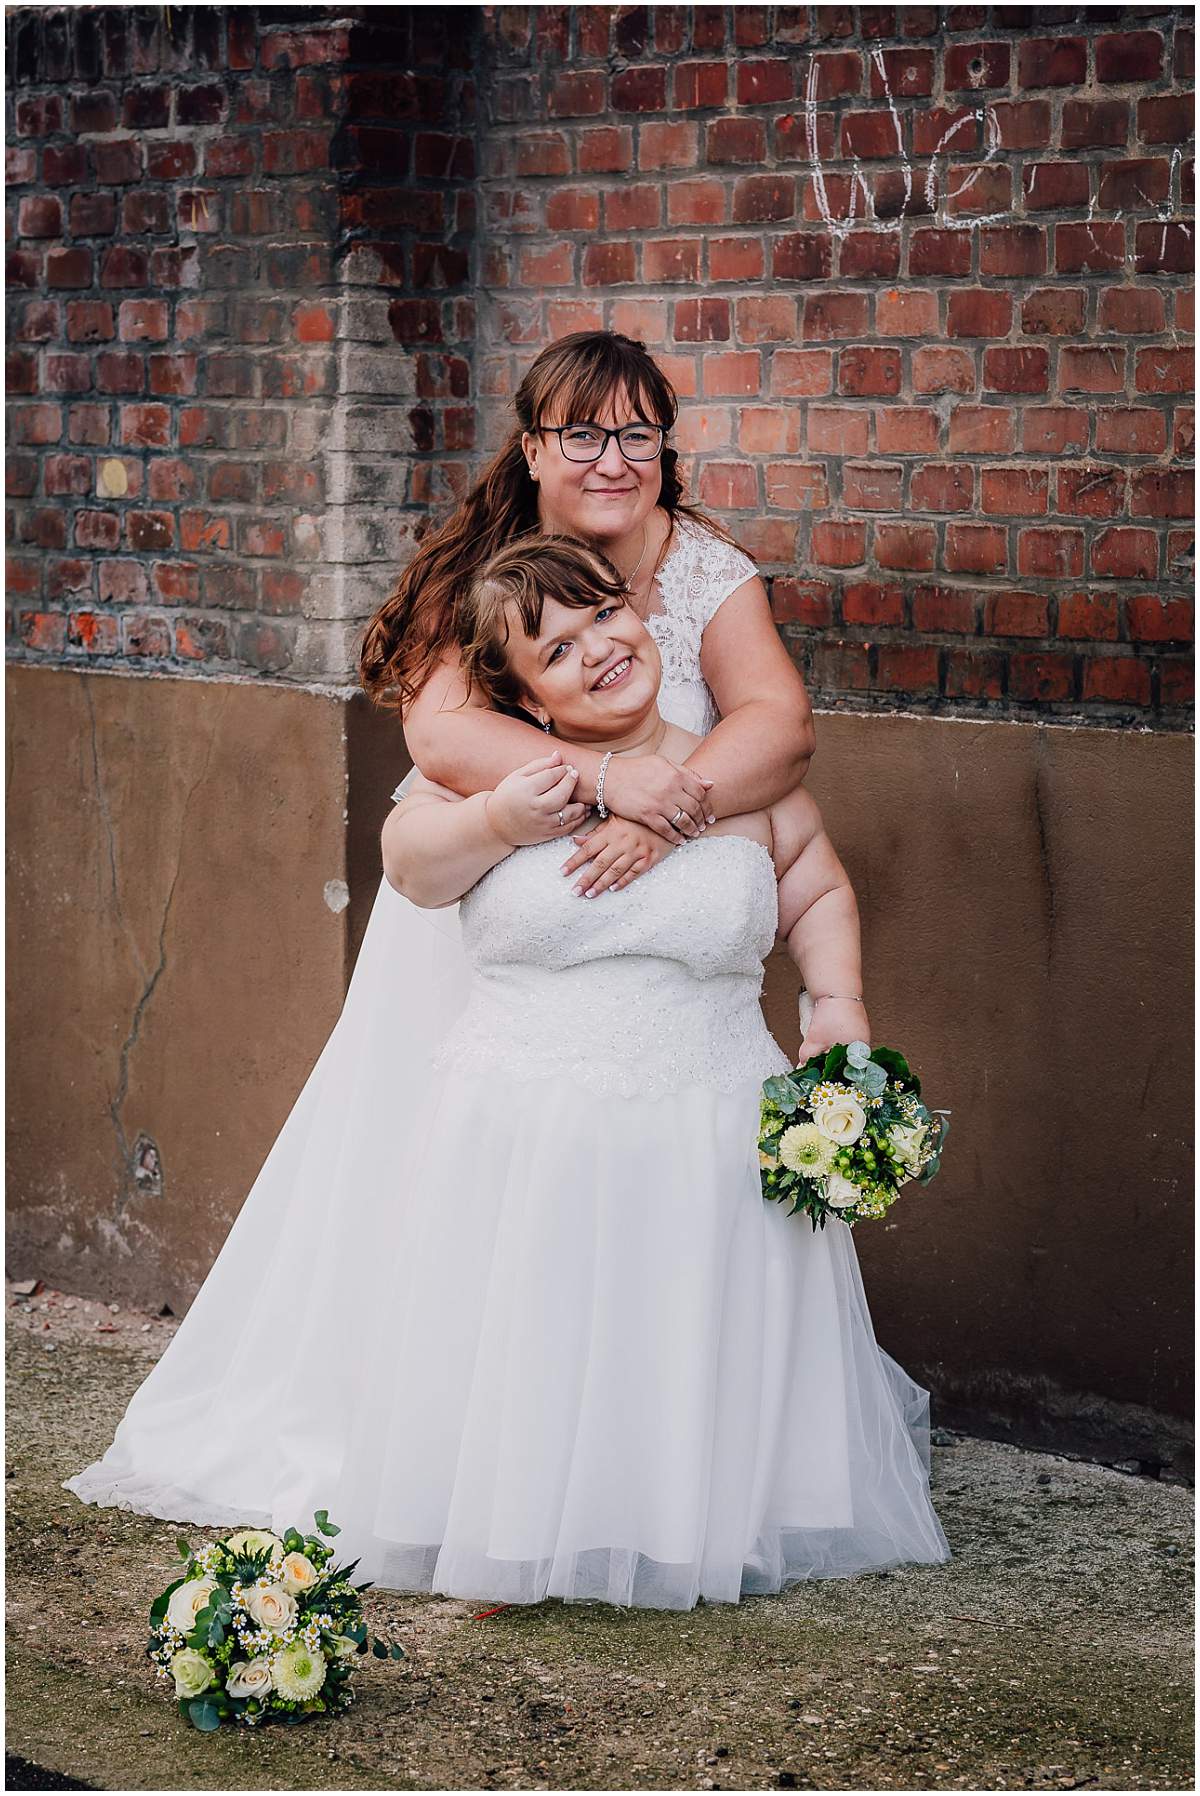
[436, 845]
[765, 740]
[819, 922]
[461, 744]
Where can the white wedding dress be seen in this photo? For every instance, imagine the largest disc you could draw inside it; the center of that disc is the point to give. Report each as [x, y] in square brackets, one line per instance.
[506, 1299]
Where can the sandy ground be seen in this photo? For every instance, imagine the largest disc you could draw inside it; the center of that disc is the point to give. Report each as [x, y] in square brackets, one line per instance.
[1053, 1652]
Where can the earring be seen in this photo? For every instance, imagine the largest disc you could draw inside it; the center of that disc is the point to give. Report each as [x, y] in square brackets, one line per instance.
[547, 725]
[532, 470]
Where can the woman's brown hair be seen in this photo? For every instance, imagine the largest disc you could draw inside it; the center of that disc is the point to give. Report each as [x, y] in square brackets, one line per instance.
[524, 575]
[574, 378]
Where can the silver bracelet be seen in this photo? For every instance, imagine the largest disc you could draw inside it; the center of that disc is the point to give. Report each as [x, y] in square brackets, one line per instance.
[841, 997]
[600, 784]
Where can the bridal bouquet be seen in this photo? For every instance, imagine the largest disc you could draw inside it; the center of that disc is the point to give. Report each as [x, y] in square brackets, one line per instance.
[261, 1628]
[839, 1135]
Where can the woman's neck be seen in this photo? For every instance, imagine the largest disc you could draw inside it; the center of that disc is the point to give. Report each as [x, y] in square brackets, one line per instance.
[635, 552]
[645, 738]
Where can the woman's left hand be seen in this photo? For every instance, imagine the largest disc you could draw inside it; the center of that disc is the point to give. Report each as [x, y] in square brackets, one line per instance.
[614, 854]
[834, 1020]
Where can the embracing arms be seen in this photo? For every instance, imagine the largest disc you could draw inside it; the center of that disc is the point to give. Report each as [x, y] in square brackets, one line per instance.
[436, 844]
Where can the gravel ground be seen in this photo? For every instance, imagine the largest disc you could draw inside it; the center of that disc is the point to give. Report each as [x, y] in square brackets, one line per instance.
[1053, 1652]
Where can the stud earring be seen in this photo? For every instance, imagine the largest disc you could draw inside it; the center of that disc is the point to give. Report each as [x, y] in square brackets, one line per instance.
[546, 725]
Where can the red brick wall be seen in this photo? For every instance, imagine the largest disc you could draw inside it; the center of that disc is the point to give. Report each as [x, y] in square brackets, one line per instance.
[921, 277]
[213, 402]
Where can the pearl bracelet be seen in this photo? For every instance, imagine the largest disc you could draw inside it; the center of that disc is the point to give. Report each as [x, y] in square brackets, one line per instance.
[600, 784]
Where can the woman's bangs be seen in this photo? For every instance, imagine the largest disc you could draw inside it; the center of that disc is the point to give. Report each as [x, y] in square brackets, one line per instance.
[586, 392]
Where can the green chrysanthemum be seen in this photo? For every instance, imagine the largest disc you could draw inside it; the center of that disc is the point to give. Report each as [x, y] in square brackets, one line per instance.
[804, 1149]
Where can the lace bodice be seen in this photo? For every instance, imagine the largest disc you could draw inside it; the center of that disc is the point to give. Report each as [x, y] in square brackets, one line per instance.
[699, 573]
[636, 993]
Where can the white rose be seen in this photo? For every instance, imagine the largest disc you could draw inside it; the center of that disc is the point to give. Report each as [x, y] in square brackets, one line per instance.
[344, 1646]
[841, 1193]
[192, 1673]
[249, 1677]
[187, 1602]
[298, 1574]
[840, 1119]
[907, 1142]
[271, 1607]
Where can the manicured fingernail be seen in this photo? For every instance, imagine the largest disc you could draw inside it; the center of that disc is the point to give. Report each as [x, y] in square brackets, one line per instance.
[711, 818]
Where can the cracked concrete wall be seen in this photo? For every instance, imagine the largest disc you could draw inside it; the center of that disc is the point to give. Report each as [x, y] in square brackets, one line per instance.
[178, 943]
[175, 968]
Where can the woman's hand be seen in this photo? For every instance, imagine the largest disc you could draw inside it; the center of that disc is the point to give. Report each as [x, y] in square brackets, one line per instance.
[534, 804]
[834, 1020]
[614, 854]
[652, 790]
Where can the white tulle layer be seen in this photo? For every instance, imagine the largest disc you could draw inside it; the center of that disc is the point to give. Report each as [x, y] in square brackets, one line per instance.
[521, 1344]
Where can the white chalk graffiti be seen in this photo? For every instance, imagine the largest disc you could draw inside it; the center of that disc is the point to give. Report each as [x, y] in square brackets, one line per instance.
[937, 190]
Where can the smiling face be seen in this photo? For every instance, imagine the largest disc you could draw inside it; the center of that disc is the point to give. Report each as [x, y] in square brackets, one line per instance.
[593, 674]
[603, 501]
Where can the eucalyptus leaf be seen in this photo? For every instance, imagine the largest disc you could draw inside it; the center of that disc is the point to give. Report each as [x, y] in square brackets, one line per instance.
[204, 1714]
[182, 1547]
[780, 1091]
[321, 1517]
[398, 1651]
[379, 1649]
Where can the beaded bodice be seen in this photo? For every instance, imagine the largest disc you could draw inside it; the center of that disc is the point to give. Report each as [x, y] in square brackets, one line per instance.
[633, 993]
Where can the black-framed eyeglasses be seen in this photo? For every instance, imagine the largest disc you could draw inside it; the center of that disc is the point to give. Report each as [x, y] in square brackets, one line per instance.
[588, 442]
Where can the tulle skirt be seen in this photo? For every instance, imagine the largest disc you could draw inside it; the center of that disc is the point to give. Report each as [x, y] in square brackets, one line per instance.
[522, 1342]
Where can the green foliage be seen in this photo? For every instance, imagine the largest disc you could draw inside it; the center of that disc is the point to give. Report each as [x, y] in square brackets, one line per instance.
[321, 1517]
[205, 1714]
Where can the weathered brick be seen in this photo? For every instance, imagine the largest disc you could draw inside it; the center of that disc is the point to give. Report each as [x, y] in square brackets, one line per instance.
[904, 548]
[1051, 62]
[1090, 492]
[905, 430]
[975, 549]
[1125, 554]
[1014, 491]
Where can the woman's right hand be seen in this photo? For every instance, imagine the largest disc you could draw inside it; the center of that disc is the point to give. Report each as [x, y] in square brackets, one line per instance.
[534, 804]
[652, 790]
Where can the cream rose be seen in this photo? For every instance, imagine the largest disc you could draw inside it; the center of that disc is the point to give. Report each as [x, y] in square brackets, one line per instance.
[192, 1673]
[249, 1677]
[841, 1192]
[840, 1120]
[271, 1607]
[252, 1541]
[187, 1602]
[298, 1574]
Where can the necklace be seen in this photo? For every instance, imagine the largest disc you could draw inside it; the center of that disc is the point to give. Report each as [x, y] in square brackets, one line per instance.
[630, 578]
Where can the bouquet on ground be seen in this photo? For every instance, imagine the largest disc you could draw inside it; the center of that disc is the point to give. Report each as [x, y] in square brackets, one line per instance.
[261, 1628]
[841, 1134]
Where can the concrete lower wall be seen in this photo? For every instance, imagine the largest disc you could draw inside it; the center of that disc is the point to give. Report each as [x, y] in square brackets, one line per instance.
[177, 956]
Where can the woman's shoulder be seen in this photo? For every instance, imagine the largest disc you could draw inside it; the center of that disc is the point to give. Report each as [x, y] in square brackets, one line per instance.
[708, 551]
